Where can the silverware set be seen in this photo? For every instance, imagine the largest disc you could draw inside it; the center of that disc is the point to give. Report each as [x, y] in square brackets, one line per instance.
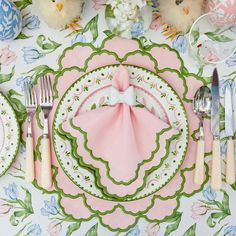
[202, 108]
[46, 103]
[207, 103]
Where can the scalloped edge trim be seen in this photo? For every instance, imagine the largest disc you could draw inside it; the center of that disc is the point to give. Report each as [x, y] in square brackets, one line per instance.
[115, 65]
[14, 155]
[96, 171]
[138, 215]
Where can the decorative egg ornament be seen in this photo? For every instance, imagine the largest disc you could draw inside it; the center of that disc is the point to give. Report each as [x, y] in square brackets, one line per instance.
[226, 10]
[10, 20]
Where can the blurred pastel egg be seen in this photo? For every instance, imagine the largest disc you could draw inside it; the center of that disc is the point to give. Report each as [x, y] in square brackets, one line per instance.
[226, 10]
[10, 20]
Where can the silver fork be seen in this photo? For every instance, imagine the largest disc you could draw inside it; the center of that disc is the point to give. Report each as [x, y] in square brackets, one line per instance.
[46, 103]
[31, 105]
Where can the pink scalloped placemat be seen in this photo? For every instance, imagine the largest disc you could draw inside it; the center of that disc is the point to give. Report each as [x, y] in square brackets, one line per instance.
[166, 62]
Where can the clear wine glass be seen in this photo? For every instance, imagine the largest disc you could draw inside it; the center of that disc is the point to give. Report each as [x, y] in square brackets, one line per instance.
[212, 40]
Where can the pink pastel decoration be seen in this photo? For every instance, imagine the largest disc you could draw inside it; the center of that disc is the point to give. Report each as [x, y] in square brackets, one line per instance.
[123, 139]
[164, 202]
[226, 10]
[7, 56]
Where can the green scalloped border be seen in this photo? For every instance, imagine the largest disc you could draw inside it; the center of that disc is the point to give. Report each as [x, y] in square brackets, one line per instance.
[142, 47]
[138, 215]
[74, 146]
[14, 155]
[115, 65]
[181, 74]
[61, 71]
[158, 135]
[177, 194]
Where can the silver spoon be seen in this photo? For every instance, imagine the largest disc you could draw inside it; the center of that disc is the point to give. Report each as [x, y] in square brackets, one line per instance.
[202, 108]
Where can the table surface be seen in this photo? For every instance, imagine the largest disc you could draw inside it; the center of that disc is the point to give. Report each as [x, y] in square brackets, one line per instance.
[41, 221]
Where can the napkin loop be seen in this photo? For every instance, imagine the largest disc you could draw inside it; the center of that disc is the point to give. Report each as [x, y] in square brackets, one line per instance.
[126, 96]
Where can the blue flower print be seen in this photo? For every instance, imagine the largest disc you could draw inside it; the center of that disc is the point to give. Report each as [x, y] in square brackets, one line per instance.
[34, 230]
[11, 191]
[50, 207]
[230, 231]
[232, 60]
[180, 43]
[32, 22]
[79, 38]
[209, 193]
[21, 80]
[134, 231]
[137, 29]
[31, 54]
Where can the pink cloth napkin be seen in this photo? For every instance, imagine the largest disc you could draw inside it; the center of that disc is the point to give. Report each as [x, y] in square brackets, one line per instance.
[120, 143]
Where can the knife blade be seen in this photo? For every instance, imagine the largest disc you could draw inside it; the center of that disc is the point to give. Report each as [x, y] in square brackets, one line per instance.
[229, 130]
[229, 119]
[216, 180]
[215, 110]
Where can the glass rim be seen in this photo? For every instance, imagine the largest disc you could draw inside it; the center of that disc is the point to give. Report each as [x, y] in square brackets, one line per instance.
[190, 33]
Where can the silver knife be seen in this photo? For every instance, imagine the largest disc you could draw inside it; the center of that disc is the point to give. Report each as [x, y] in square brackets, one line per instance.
[229, 131]
[216, 180]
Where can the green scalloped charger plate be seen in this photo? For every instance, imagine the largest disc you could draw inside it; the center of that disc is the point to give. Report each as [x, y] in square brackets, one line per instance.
[153, 93]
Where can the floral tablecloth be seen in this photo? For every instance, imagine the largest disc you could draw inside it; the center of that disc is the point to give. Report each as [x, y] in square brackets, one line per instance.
[26, 209]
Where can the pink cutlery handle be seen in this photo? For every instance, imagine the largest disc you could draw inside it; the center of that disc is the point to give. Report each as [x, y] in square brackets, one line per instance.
[46, 169]
[216, 180]
[199, 168]
[230, 163]
[29, 167]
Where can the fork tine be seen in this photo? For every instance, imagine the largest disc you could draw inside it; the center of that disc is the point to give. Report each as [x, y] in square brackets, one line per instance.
[46, 88]
[27, 94]
[50, 89]
[34, 97]
[30, 94]
[42, 92]
[46, 93]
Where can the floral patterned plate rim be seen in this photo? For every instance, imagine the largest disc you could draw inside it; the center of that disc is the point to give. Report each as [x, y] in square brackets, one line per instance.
[68, 164]
[10, 135]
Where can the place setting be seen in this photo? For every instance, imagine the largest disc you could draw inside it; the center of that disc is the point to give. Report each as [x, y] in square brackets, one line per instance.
[106, 97]
[207, 101]
[110, 125]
